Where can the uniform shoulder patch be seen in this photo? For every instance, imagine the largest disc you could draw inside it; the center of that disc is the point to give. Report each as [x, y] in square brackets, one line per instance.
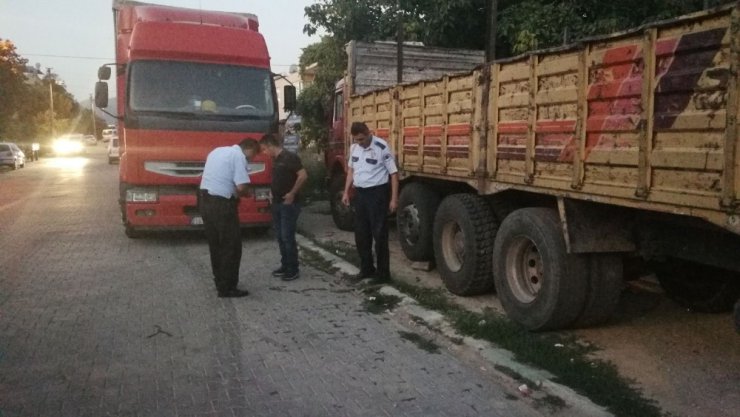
[379, 145]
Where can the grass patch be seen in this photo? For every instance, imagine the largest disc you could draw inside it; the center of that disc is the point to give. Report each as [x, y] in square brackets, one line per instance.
[420, 341]
[313, 258]
[551, 402]
[569, 361]
[377, 303]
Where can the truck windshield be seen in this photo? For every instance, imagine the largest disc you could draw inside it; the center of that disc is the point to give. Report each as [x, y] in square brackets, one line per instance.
[201, 91]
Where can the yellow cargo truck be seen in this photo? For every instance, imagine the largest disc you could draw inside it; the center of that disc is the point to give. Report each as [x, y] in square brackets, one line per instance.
[549, 175]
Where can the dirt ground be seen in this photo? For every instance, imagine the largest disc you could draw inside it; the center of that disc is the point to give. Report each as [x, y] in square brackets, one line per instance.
[689, 363]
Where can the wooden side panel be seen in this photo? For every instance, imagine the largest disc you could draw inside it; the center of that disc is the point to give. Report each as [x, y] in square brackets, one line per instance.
[556, 109]
[691, 80]
[512, 112]
[646, 119]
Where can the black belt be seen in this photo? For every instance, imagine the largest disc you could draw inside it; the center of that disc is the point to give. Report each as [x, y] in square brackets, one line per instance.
[375, 187]
[206, 194]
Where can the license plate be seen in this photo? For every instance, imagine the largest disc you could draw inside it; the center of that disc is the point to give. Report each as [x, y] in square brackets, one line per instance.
[196, 221]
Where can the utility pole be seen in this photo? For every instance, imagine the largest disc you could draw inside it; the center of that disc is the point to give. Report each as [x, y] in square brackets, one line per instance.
[491, 30]
[399, 45]
[92, 110]
[51, 105]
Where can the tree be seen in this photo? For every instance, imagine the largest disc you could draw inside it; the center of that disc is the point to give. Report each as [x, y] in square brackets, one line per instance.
[315, 101]
[12, 85]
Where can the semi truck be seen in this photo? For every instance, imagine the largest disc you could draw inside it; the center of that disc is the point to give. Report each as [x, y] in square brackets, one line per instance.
[188, 81]
[554, 176]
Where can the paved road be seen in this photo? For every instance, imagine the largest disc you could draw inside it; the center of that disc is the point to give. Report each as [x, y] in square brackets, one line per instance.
[95, 324]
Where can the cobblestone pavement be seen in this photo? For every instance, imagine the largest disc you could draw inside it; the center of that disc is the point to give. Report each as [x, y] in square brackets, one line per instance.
[95, 324]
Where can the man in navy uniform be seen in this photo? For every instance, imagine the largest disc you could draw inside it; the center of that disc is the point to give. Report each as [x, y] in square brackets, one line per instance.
[372, 170]
[224, 179]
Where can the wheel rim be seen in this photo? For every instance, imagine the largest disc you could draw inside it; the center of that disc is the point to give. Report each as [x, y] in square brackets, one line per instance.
[409, 224]
[524, 270]
[453, 246]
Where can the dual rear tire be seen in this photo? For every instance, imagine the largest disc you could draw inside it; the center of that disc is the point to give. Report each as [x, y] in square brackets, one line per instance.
[539, 284]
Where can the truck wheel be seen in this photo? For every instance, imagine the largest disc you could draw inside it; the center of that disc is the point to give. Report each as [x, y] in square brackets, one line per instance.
[605, 285]
[131, 232]
[737, 316]
[701, 288]
[417, 205]
[464, 228]
[343, 216]
[539, 284]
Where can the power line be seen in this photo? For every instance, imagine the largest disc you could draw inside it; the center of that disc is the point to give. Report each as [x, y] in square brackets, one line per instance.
[106, 59]
[68, 56]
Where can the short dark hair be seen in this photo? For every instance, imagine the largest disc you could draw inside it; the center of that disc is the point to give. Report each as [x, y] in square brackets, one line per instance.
[359, 127]
[270, 140]
[249, 144]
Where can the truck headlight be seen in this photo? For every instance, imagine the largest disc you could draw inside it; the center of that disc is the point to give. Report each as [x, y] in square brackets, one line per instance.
[262, 193]
[141, 196]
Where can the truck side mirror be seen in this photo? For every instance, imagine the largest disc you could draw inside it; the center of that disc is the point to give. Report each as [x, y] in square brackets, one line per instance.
[101, 94]
[289, 97]
[104, 73]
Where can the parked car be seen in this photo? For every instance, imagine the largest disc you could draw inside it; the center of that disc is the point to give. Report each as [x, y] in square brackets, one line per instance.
[11, 155]
[90, 140]
[113, 150]
[108, 133]
[70, 144]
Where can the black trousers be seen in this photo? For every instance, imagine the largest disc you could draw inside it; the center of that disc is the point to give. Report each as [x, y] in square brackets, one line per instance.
[221, 221]
[371, 223]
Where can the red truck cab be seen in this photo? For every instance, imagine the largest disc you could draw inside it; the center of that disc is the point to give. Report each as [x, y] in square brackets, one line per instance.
[188, 81]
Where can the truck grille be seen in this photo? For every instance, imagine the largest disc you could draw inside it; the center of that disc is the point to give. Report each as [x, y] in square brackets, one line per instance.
[190, 169]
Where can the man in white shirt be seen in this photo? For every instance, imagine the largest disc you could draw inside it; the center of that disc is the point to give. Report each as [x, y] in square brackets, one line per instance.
[372, 169]
[224, 179]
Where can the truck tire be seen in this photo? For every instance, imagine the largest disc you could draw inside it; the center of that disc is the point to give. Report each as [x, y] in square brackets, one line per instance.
[737, 316]
[701, 288]
[605, 284]
[343, 216]
[131, 232]
[539, 284]
[464, 228]
[417, 206]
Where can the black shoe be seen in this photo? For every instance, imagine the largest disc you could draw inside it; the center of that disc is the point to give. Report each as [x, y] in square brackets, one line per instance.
[278, 273]
[290, 276]
[381, 279]
[354, 279]
[233, 293]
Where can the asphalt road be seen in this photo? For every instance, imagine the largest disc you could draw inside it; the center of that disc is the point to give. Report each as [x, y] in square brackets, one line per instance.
[95, 324]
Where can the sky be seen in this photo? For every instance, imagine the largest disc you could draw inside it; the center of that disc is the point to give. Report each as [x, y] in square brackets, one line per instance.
[79, 33]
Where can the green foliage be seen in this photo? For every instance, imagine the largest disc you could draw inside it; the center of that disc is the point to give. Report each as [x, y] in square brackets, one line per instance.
[25, 103]
[315, 101]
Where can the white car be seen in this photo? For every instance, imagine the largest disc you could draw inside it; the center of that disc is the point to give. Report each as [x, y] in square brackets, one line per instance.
[70, 145]
[11, 155]
[113, 154]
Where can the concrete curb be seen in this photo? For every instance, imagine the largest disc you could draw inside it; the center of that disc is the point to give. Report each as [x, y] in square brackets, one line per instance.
[577, 405]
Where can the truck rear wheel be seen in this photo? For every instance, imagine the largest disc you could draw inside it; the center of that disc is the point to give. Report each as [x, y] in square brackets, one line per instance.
[464, 228]
[605, 285]
[417, 205]
[539, 284]
[343, 216]
[701, 288]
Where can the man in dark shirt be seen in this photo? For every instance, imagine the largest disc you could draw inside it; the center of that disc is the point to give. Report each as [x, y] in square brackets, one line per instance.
[288, 176]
